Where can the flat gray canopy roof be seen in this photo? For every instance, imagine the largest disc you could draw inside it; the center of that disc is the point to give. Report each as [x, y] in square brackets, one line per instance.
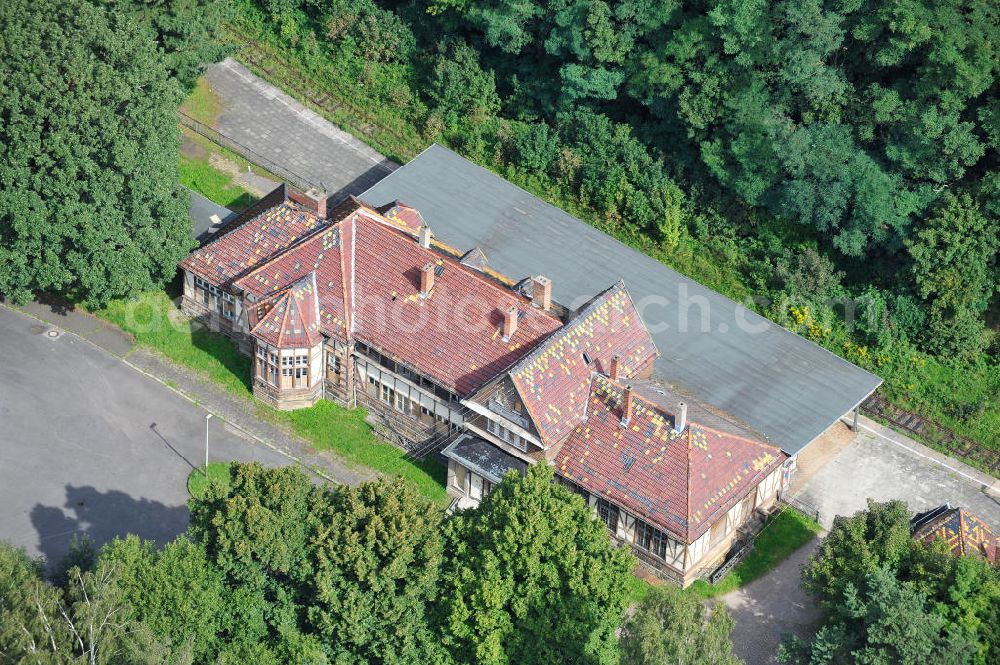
[719, 352]
[484, 457]
[202, 210]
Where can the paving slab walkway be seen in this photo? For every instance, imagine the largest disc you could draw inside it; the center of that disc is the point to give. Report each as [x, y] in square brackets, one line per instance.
[271, 123]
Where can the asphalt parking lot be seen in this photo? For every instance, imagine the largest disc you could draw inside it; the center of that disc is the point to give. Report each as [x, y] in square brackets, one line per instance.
[89, 445]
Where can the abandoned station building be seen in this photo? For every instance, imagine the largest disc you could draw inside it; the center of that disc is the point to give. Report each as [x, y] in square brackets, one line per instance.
[677, 440]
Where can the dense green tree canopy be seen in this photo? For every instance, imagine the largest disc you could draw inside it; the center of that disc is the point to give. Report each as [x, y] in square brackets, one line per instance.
[889, 599]
[885, 622]
[671, 626]
[89, 199]
[276, 569]
[532, 578]
[188, 32]
[85, 621]
[176, 593]
[858, 546]
[952, 268]
[377, 555]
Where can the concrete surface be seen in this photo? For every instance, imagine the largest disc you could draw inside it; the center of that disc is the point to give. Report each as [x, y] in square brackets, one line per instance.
[872, 466]
[272, 124]
[878, 463]
[89, 445]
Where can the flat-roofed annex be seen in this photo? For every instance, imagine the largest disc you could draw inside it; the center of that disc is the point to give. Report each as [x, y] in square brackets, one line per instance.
[713, 349]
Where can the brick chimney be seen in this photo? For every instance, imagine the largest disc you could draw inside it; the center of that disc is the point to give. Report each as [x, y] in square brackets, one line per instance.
[615, 372]
[681, 417]
[627, 401]
[541, 292]
[509, 323]
[425, 236]
[426, 280]
[317, 201]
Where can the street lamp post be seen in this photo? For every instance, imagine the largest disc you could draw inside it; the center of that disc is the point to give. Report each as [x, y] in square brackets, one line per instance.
[208, 416]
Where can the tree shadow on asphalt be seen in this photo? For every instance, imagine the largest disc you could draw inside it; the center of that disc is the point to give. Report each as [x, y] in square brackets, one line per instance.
[101, 516]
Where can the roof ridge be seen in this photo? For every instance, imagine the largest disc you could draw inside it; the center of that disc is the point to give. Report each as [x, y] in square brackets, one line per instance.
[961, 530]
[687, 479]
[564, 329]
[313, 234]
[490, 281]
[720, 432]
[277, 295]
[289, 303]
[251, 213]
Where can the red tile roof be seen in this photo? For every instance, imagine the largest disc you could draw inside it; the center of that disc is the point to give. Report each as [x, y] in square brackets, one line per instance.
[678, 482]
[321, 253]
[290, 317]
[367, 275]
[554, 381]
[453, 335]
[250, 243]
[963, 532]
[404, 216]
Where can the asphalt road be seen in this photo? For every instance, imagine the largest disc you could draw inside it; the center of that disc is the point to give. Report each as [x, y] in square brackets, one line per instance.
[89, 445]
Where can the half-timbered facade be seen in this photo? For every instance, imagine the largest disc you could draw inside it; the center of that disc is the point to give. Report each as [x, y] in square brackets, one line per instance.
[365, 307]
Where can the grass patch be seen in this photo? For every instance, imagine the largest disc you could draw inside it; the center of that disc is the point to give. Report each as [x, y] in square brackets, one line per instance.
[203, 104]
[214, 185]
[197, 172]
[332, 427]
[637, 589]
[218, 473]
[157, 323]
[784, 534]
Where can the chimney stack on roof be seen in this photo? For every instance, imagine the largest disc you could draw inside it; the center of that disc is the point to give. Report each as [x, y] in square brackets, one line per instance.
[627, 400]
[425, 236]
[316, 200]
[541, 292]
[426, 280]
[615, 372]
[681, 417]
[509, 323]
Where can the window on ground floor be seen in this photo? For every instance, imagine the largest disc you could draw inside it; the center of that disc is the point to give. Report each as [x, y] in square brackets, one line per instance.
[267, 365]
[608, 512]
[215, 298]
[719, 531]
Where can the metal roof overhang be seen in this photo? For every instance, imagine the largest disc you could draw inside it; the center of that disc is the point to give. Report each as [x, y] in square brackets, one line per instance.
[718, 351]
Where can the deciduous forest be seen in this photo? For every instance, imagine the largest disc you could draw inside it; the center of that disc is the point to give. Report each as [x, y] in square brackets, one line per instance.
[833, 163]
